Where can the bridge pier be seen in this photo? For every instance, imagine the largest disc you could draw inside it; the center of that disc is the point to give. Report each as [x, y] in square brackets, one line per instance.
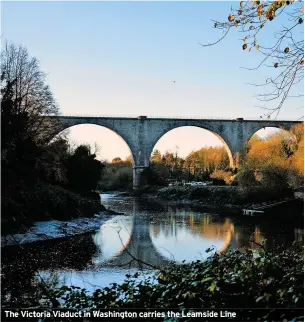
[137, 175]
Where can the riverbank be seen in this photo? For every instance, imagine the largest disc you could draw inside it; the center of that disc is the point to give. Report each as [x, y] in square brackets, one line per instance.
[53, 229]
[233, 197]
[28, 204]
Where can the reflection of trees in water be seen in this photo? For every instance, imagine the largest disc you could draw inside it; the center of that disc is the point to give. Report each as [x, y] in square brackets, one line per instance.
[20, 264]
[203, 225]
[244, 230]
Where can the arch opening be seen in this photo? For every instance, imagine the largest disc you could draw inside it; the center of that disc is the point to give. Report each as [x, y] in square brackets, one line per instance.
[190, 153]
[109, 147]
[274, 158]
[109, 143]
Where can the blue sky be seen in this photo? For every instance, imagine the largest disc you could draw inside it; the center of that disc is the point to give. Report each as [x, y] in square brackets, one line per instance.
[120, 58]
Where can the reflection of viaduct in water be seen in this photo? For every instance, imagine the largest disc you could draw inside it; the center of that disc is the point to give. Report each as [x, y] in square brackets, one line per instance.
[140, 246]
[212, 230]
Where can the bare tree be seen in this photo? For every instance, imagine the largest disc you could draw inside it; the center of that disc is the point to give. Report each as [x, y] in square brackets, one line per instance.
[284, 52]
[25, 98]
[24, 82]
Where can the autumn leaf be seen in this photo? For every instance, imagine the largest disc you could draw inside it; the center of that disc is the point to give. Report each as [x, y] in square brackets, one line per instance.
[257, 47]
[300, 20]
[239, 12]
[241, 3]
[231, 18]
[245, 46]
[286, 50]
[276, 65]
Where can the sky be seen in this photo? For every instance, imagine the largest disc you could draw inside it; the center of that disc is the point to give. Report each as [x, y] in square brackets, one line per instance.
[121, 58]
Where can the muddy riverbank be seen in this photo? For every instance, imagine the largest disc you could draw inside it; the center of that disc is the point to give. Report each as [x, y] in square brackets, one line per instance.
[232, 197]
[53, 229]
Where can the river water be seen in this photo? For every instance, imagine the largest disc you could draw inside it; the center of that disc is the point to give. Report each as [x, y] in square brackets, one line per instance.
[156, 234]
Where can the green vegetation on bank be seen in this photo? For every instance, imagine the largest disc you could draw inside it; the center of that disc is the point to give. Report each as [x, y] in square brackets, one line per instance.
[216, 195]
[42, 177]
[266, 278]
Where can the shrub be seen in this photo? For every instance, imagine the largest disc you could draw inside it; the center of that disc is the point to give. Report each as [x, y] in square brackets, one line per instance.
[226, 176]
[246, 177]
[243, 279]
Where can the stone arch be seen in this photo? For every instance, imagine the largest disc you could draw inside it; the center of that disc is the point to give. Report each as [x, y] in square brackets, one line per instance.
[226, 143]
[281, 126]
[66, 123]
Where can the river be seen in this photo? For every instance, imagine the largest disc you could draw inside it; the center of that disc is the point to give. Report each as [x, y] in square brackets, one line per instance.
[154, 233]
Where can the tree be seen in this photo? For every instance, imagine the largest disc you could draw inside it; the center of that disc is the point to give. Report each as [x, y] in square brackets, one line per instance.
[83, 170]
[25, 97]
[25, 84]
[156, 156]
[284, 53]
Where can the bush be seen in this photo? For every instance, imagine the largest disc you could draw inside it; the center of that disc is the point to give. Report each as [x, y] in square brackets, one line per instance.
[245, 177]
[116, 177]
[248, 279]
[275, 177]
[225, 176]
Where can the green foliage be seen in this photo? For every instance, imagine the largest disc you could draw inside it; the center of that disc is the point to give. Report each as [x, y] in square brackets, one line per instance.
[116, 176]
[156, 174]
[246, 177]
[275, 177]
[257, 280]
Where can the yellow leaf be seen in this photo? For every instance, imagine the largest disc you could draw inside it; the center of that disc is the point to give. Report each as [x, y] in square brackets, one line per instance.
[245, 38]
[231, 18]
[257, 47]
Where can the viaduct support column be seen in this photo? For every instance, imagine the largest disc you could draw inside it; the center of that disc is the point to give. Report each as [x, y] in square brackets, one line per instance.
[137, 174]
[141, 153]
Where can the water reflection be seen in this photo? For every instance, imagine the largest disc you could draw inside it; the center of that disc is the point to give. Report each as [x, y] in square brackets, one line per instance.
[154, 233]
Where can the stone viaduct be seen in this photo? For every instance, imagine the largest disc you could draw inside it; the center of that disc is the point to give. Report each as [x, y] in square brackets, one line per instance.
[142, 133]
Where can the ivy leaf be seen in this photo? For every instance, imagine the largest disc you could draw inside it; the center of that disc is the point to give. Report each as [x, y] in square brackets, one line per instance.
[212, 287]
